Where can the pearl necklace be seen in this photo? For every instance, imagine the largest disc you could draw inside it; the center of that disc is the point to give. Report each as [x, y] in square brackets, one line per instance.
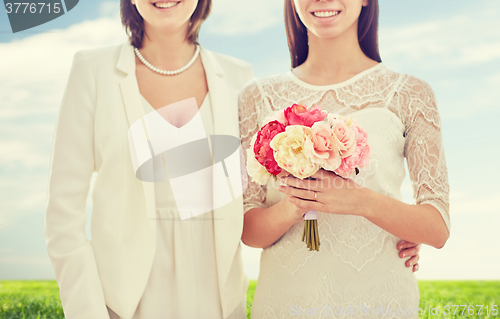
[164, 72]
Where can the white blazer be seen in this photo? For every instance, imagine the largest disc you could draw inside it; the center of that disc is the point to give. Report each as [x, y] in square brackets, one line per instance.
[100, 102]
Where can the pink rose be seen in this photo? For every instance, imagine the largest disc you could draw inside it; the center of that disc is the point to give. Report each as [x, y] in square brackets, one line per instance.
[361, 156]
[324, 149]
[361, 135]
[345, 169]
[298, 114]
[263, 152]
[345, 134]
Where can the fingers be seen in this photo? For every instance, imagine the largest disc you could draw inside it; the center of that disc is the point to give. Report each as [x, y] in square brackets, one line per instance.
[307, 204]
[298, 192]
[409, 249]
[320, 174]
[415, 267]
[408, 252]
[412, 261]
[406, 244]
[301, 183]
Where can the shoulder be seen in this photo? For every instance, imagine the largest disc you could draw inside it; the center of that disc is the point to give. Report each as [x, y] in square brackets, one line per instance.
[238, 72]
[229, 61]
[416, 85]
[266, 85]
[97, 65]
[419, 97]
[99, 60]
[259, 87]
[410, 88]
[409, 85]
[89, 64]
[104, 53]
[417, 100]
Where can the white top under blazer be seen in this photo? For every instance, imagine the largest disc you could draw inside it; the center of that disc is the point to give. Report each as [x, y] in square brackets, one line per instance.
[184, 274]
[112, 270]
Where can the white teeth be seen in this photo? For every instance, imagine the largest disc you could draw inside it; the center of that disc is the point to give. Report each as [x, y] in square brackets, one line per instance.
[165, 4]
[326, 14]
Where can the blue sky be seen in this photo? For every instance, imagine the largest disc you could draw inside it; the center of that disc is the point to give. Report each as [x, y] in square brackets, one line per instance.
[453, 45]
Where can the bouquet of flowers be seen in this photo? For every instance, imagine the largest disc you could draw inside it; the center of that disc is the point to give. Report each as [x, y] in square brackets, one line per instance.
[299, 141]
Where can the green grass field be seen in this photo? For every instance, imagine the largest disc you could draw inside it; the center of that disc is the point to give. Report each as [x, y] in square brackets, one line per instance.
[40, 299]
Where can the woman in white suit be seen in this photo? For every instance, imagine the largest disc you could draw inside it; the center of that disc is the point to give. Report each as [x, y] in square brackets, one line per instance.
[142, 261]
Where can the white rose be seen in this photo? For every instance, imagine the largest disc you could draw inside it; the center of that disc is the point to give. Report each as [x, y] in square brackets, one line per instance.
[256, 171]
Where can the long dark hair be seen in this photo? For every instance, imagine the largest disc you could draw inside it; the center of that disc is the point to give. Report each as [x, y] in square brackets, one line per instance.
[296, 33]
[134, 23]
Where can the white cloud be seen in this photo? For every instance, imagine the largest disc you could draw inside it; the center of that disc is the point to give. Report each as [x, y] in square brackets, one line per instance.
[21, 153]
[35, 69]
[463, 204]
[465, 39]
[494, 80]
[24, 260]
[468, 254]
[23, 194]
[240, 17]
[109, 9]
[54, 50]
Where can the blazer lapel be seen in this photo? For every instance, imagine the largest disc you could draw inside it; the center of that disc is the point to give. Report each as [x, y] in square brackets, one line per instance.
[133, 107]
[228, 219]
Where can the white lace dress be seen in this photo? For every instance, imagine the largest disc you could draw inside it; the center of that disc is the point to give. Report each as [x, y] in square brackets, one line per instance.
[357, 270]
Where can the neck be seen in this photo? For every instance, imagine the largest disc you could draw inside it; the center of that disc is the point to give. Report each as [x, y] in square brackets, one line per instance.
[166, 50]
[330, 56]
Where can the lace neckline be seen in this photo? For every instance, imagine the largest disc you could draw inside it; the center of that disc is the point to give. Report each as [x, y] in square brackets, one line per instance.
[336, 85]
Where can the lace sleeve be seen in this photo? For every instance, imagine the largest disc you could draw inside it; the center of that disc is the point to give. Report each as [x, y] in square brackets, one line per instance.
[255, 195]
[423, 149]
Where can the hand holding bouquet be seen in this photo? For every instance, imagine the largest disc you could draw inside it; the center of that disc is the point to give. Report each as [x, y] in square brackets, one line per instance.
[300, 141]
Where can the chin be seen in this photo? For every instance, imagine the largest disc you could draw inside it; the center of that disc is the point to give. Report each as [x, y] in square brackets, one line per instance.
[329, 33]
[168, 25]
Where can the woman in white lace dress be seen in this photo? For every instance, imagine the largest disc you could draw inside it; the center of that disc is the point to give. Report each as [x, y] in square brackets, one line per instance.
[357, 272]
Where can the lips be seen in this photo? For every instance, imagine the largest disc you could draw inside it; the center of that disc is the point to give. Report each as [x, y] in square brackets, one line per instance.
[165, 4]
[325, 13]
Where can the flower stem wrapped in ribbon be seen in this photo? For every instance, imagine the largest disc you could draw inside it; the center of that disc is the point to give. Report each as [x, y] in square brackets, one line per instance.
[300, 141]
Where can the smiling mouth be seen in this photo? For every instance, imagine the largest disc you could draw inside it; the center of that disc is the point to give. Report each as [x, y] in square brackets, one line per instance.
[164, 5]
[325, 14]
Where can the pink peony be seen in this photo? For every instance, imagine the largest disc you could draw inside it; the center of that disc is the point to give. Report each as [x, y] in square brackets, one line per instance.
[264, 152]
[298, 114]
[278, 116]
[324, 149]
